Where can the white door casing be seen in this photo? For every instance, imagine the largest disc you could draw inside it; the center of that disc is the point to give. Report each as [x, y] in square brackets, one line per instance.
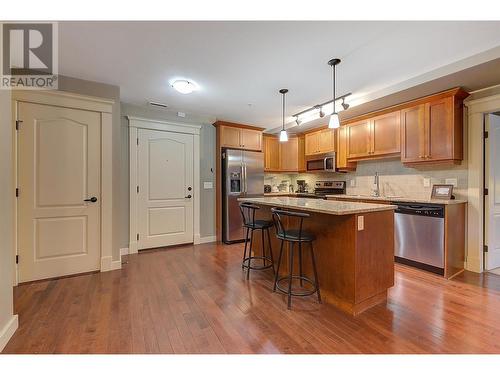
[59, 166]
[492, 200]
[165, 184]
[136, 125]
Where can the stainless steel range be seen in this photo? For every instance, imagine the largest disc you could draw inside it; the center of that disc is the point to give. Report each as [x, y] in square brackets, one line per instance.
[324, 188]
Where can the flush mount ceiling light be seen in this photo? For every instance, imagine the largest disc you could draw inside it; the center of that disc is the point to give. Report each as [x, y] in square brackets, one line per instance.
[184, 86]
[283, 134]
[334, 122]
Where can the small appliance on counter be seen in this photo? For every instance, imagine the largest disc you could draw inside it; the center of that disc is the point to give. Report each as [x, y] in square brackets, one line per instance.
[301, 186]
[267, 188]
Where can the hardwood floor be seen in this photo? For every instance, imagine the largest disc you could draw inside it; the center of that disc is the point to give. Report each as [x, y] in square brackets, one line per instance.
[195, 299]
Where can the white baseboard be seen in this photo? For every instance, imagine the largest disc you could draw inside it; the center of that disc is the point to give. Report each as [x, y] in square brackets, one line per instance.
[199, 240]
[124, 251]
[473, 264]
[7, 331]
[108, 264]
[133, 247]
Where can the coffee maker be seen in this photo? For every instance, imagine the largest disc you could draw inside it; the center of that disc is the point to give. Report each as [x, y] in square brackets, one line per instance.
[301, 186]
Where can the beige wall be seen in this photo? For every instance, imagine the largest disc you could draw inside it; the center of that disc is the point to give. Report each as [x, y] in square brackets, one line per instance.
[6, 211]
[207, 165]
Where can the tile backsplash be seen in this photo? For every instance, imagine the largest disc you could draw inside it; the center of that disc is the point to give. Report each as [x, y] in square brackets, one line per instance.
[395, 179]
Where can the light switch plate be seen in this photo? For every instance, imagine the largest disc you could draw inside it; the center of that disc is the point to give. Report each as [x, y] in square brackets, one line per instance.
[361, 222]
[208, 185]
[427, 182]
[353, 183]
[451, 181]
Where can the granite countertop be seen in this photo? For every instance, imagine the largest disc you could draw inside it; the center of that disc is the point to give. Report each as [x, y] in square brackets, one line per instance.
[284, 193]
[398, 199]
[319, 205]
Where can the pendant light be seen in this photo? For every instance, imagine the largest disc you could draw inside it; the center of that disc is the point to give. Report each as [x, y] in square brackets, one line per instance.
[283, 134]
[334, 122]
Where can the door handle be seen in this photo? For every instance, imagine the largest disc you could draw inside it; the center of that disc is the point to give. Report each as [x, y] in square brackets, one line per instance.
[93, 200]
[188, 196]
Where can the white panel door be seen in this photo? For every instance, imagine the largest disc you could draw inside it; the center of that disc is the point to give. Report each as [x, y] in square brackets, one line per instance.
[59, 168]
[165, 197]
[492, 201]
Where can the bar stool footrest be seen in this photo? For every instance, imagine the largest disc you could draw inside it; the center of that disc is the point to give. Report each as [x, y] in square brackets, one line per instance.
[247, 263]
[295, 293]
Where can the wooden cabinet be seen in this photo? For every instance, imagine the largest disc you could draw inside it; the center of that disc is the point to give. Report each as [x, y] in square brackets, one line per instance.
[320, 142]
[358, 140]
[302, 153]
[271, 153]
[385, 134]
[412, 134]
[342, 163]
[233, 137]
[432, 132]
[374, 137]
[289, 155]
[251, 139]
[284, 156]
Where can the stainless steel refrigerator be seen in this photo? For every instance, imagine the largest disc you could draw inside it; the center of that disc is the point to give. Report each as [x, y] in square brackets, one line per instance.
[242, 176]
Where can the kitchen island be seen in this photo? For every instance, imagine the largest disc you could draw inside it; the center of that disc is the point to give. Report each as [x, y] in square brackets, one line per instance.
[354, 248]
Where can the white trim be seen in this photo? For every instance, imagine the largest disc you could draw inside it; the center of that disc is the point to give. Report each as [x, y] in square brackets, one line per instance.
[169, 126]
[124, 251]
[108, 264]
[208, 239]
[64, 99]
[476, 109]
[8, 330]
[88, 103]
[136, 123]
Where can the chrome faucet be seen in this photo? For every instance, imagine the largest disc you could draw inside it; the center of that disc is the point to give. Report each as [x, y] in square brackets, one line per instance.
[376, 186]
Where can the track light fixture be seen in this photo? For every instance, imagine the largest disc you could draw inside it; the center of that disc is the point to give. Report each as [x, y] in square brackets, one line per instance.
[283, 134]
[344, 104]
[321, 113]
[297, 120]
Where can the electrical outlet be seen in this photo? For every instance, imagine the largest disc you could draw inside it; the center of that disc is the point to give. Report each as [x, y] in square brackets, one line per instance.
[361, 222]
[353, 183]
[451, 181]
[427, 182]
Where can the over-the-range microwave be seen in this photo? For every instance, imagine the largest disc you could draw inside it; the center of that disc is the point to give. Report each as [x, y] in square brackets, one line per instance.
[325, 162]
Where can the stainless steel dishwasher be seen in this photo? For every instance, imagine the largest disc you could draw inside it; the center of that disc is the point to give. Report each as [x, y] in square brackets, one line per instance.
[419, 236]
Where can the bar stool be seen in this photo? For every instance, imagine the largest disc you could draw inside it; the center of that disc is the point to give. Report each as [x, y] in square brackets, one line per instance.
[248, 212]
[294, 236]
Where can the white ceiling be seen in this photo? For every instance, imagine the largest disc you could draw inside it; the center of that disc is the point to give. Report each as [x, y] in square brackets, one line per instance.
[240, 66]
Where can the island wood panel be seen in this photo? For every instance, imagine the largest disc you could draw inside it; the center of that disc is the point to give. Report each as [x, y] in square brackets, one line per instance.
[354, 271]
[454, 239]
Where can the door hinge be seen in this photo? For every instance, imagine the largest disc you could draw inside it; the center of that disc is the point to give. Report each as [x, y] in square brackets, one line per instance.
[18, 123]
[137, 236]
[137, 141]
[17, 259]
[485, 248]
[485, 135]
[485, 192]
[137, 189]
[17, 192]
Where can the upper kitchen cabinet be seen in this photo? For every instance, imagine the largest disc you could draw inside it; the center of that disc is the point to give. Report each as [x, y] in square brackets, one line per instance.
[320, 142]
[432, 131]
[284, 156]
[374, 137]
[239, 136]
[271, 153]
[343, 164]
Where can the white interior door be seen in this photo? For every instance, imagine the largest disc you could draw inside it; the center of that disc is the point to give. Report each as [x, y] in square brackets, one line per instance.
[492, 201]
[59, 166]
[165, 197]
